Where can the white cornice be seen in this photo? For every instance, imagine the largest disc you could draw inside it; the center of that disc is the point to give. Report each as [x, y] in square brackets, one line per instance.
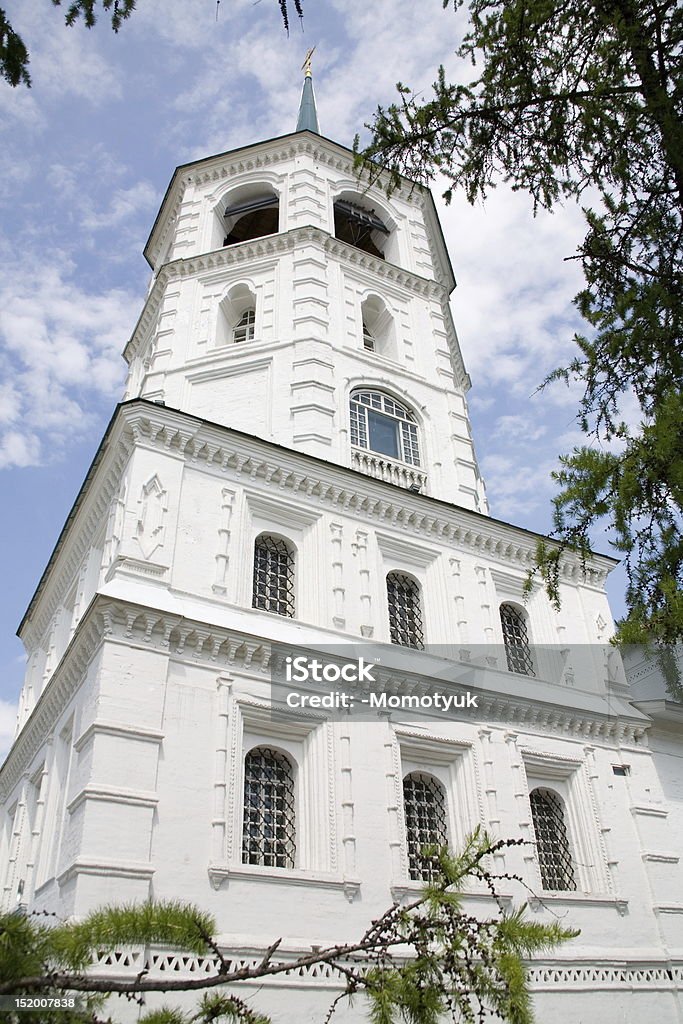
[230, 452]
[291, 475]
[266, 247]
[259, 155]
[222, 646]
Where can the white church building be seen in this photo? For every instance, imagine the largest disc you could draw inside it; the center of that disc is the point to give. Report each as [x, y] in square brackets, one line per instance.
[292, 464]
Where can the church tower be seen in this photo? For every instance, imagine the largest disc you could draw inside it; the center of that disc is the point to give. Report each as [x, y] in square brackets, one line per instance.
[292, 464]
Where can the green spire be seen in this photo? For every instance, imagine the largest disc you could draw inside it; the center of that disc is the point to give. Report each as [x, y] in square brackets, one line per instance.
[308, 116]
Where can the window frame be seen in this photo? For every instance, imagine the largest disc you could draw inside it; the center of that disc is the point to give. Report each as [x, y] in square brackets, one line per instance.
[453, 764]
[383, 406]
[570, 778]
[517, 645]
[547, 854]
[416, 627]
[289, 602]
[421, 869]
[289, 844]
[246, 323]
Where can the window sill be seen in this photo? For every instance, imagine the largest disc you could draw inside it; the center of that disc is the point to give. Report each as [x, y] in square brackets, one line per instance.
[220, 874]
[410, 890]
[576, 899]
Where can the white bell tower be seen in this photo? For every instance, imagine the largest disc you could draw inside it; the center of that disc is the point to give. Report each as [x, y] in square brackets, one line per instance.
[284, 289]
[292, 463]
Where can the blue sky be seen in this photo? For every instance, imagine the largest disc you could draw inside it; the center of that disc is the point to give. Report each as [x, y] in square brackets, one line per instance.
[85, 157]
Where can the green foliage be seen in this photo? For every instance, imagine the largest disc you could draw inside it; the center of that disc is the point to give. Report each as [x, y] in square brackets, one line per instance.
[571, 99]
[167, 923]
[459, 963]
[14, 55]
[413, 964]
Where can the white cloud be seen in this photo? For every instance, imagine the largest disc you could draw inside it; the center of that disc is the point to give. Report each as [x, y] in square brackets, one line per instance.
[19, 449]
[60, 350]
[517, 428]
[19, 107]
[125, 203]
[519, 490]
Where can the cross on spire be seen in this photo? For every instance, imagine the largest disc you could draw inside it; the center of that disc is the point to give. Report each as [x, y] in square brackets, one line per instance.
[308, 115]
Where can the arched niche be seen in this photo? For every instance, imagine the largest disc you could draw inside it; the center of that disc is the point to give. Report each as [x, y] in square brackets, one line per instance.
[234, 323]
[363, 223]
[249, 211]
[378, 327]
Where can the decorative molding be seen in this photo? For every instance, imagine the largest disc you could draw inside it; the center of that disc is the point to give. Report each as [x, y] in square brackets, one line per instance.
[124, 622]
[254, 250]
[53, 700]
[124, 565]
[549, 900]
[409, 891]
[649, 811]
[359, 548]
[229, 452]
[150, 529]
[119, 730]
[660, 856]
[107, 869]
[109, 794]
[613, 975]
[220, 875]
[508, 584]
[223, 553]
[338, 588]
[405, 551]
[279, 511]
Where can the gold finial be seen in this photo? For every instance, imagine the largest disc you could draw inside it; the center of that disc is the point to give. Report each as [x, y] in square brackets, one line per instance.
[306, 66]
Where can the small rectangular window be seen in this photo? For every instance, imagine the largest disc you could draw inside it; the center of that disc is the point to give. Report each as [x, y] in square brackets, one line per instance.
[621, 769]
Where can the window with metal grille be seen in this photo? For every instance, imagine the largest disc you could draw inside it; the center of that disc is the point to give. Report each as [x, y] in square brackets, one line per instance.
[516, 640]
[382, 425]
[405, 611]
[552, 841]
[269, 832]
[424, 806]
[273, 576]
[244, 328]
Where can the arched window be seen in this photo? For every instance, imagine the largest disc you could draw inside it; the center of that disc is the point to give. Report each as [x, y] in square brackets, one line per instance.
[405, 611]
[269, 832]
[379, 331]
[552, 841]
[244, 328]
[516, 640]
[236, 319]
[360, 226]
[251, 216]
[424, 807]
[381, 424]
[273, 576]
